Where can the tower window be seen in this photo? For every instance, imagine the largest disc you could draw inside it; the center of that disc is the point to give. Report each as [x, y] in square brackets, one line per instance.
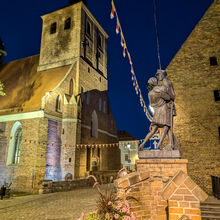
[67, 24]
[70, 159]
[53, 28]
[88, 28]
[58, 103]
[213, 61]
[99, 41]
[217, 95]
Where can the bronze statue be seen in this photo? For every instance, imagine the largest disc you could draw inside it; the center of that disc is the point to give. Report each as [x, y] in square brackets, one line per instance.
[162, 101]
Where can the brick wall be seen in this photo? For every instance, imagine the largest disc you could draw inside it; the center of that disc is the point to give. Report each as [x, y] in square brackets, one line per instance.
[31, 169]
[184, 197]
[161, 188]
[60, 48]
[194, 80]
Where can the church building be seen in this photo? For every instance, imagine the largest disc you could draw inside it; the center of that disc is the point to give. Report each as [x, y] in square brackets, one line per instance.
[56, 115]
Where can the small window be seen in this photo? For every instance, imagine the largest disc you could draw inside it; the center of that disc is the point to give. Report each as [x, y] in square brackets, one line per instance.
[63, 131]
[88, 70]
[126, 157]
[100, 104]
[88, 28]
[58, 103]
[67, 24]
[213, 61]
[70, 159]
[53, 28]
[217, 95]
[104, 106]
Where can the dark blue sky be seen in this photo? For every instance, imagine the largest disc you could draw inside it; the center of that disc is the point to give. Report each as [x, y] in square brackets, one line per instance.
[20, 29]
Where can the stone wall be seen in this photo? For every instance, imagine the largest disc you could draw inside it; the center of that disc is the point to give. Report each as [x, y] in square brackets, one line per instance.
[60, 48]
[48, 186]
[194, 79]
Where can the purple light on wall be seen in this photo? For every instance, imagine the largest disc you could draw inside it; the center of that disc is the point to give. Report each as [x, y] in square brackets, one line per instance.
[53, 169]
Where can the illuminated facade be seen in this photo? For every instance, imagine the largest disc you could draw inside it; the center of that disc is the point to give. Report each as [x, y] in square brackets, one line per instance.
[58, 100]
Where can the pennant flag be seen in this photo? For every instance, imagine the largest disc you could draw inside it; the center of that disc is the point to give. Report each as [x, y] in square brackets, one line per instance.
[117, 27]
[124, 50]
[136, 88]
[129, 57]
[122, 40]
[112, 15]
[123, 44]
[132, 69]
[141, 100]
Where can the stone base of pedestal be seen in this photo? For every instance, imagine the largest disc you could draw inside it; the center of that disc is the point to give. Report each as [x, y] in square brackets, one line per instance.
[162, 188]
[168, 154]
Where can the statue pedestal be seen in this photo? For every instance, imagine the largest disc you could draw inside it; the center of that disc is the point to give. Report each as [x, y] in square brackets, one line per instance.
[162, 154]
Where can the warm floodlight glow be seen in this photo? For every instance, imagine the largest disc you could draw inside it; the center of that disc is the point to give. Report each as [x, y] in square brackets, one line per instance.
[151, 109]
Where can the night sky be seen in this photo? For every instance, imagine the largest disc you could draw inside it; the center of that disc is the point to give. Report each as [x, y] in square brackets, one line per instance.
[20, 29]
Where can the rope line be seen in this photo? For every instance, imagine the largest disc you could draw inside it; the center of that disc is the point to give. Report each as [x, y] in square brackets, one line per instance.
[157, 35]
[124, 45]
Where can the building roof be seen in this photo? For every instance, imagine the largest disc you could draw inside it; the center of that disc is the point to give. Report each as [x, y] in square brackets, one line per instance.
[125, 136]
[24, 86]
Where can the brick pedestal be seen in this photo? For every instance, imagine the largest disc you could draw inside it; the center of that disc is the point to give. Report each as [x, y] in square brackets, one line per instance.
[153, 187]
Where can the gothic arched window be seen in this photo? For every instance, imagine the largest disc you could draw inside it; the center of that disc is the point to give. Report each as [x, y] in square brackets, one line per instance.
[15, 144]
[71, 87]
[99, 41]
[88, 28]
[94, 125]
[58, 103]
[100, 104]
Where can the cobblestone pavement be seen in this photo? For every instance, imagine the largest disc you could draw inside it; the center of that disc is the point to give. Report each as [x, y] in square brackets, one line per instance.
[62, 205]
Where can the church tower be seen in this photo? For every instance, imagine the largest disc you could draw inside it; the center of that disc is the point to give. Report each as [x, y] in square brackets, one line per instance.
[72, 33]
[72, 37]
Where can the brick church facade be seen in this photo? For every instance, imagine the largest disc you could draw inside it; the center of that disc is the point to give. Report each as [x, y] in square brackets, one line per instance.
[56, 101]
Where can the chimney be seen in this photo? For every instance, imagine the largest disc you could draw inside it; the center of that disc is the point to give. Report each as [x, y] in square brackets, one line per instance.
[71, 2]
